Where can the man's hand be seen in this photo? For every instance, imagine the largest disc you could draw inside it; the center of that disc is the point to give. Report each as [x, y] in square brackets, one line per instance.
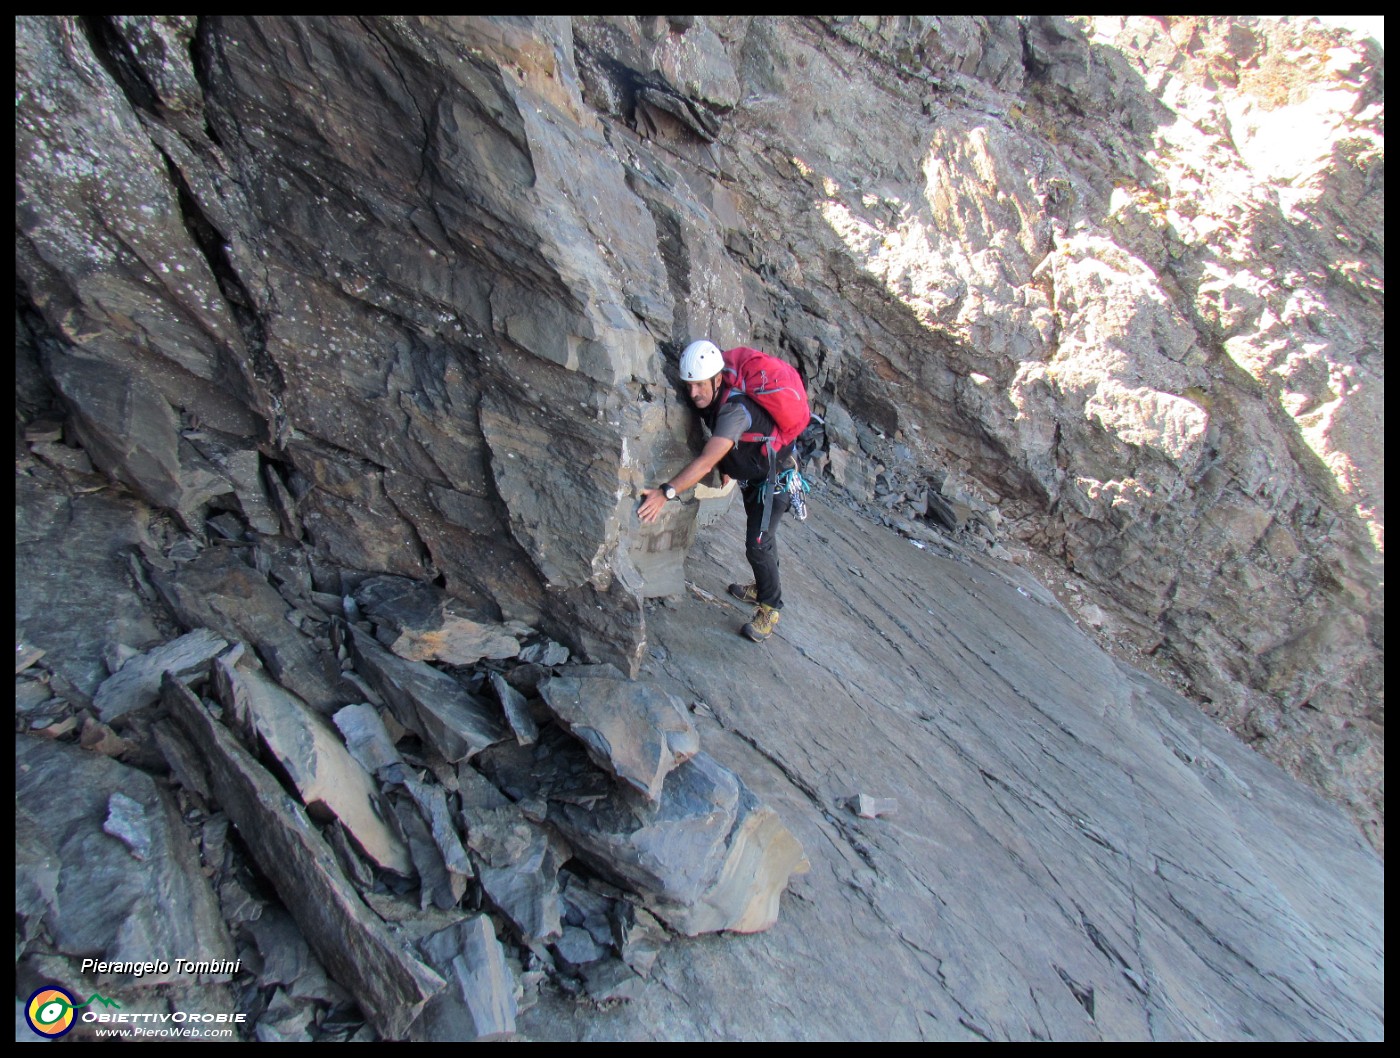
[652, 502]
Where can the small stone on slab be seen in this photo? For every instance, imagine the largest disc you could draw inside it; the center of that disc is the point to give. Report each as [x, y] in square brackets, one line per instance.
[126, 821]
[868, 807]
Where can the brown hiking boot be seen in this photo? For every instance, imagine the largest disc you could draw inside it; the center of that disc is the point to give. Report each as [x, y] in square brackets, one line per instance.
[745, 592]
[765, 619]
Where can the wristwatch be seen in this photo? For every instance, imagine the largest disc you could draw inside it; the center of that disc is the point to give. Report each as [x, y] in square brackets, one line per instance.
[669, 491]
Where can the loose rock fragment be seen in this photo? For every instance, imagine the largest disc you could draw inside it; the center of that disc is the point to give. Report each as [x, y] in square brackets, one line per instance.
[611, 981]
[518, 866]
[25, 655]
[126, 821]
[868, 807]
[638, 936]
[102, 739]
[637, 731]
[705, 857]
[218, 591]
[517, 711]
[438, 887]
[421, 623]
[369, 742]
[576, 948]
[479, 1000]
[432, 803]
[137, 683]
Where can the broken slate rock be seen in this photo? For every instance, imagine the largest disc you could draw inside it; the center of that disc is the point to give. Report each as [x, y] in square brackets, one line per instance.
[545, 652]
[331, 783]
[636, 731]
[26, 654]
[576, 948]
[438, 886]
[430, 703]
[637, 935]
[390, 984]
[432, 804]
[612, 981]
[137, 683]
[220, 592]
[517, 710]
[422, 623]
[518, 866]
[286, 1020]
[706, 857]
[286, 957]
[587, 909]
[479, 1000]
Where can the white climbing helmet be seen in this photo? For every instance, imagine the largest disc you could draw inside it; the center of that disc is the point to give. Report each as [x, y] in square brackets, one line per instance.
[701, 361]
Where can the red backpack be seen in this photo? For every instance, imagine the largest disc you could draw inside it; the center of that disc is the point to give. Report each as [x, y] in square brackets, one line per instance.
[776, 386]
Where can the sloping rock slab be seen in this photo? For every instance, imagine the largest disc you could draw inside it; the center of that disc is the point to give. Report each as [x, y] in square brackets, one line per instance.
[420, 622]
[431, 704]
[101, 860]
[329, 780]
[637, 731]
[390, 984]
[706, 857]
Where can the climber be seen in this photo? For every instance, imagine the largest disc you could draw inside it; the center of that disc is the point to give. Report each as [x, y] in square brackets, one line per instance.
[754, 406]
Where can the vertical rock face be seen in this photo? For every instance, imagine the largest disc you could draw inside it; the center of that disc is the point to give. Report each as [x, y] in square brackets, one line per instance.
[404, 287]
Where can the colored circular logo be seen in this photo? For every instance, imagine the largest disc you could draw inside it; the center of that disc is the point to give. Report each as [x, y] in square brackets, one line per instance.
[50, 1012]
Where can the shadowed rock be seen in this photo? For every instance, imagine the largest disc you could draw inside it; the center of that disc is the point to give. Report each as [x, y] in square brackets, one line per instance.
[517, 860]
[422, 623]
[429, 703]
[705, 857]
[517, 710]
[219, 592]
[479, 1000]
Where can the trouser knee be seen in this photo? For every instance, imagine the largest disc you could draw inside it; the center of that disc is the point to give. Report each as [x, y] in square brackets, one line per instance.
[760, 554]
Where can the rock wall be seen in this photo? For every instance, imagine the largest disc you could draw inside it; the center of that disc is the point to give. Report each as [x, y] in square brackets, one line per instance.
[406, 289]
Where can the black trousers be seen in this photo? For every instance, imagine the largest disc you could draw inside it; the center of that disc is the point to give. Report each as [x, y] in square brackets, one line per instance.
[761, 549]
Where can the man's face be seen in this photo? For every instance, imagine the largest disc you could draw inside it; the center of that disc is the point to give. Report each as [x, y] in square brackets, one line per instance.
[703, 393]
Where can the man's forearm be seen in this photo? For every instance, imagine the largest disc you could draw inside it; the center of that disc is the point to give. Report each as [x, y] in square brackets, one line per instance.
[696, 470]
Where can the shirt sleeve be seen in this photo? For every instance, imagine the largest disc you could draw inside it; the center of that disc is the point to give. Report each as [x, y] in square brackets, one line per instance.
[733, 421]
